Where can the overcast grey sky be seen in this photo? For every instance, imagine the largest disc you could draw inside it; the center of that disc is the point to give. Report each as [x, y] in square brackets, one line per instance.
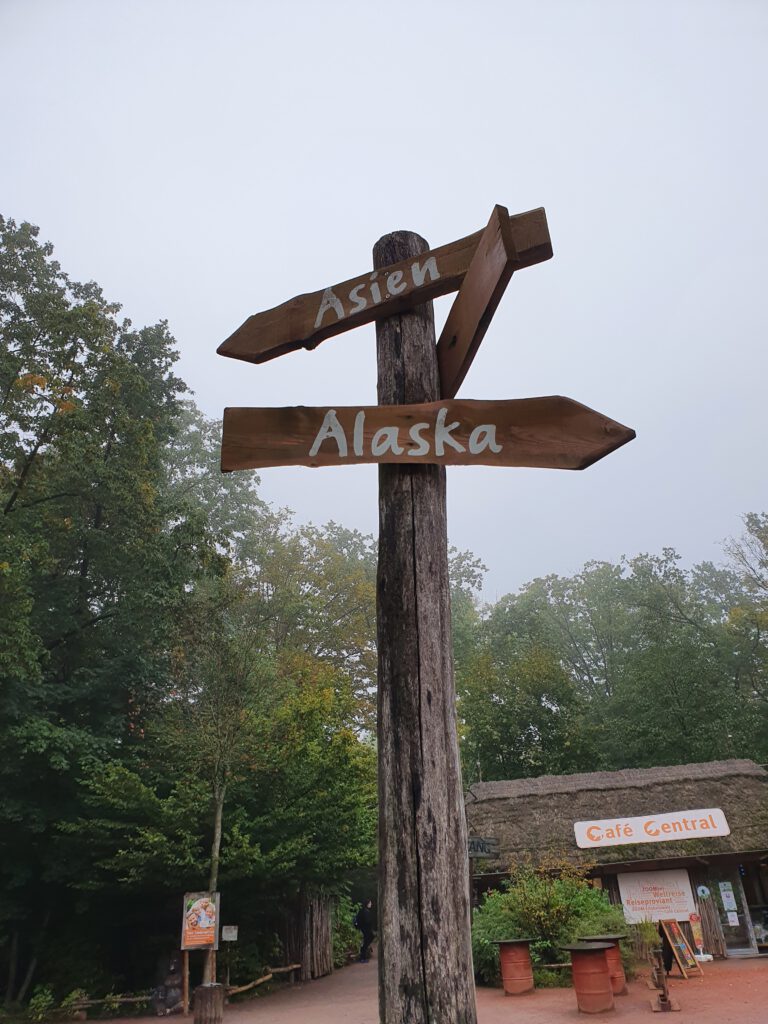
[207, 160]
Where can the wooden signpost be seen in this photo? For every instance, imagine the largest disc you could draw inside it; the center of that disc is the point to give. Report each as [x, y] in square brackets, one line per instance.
[549, 433]
[417, 429]
[305, 321]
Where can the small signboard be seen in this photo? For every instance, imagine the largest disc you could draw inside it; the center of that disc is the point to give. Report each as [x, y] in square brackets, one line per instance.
[727, 896]
[656, 895]
[686, 961]
[697, 932]
[229, 933]
[478, 846]
[200, 921]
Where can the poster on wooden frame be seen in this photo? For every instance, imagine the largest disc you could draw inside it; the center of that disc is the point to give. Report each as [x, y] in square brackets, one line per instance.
[200, 921]
[686, 961]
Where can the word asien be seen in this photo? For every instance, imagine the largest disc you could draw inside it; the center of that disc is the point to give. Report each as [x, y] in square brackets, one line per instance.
[387, 439]
[395, 283]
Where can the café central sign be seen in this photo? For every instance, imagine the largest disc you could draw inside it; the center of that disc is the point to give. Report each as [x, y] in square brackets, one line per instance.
[655, 828]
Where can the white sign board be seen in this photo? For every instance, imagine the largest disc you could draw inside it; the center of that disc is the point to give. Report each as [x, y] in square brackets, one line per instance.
[229, 933]
[733, 919]
[653, 828]
[656, 896]
[726, 894]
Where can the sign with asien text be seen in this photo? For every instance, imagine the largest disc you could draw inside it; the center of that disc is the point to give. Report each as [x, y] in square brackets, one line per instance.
[549, 433]
[306, 320]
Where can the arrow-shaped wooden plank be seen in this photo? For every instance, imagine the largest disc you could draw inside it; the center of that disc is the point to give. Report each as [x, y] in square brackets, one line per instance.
[480, 293]
[550, 433]
[305, 321]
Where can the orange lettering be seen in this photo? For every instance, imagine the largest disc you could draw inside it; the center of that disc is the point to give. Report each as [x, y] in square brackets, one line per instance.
[593, 834]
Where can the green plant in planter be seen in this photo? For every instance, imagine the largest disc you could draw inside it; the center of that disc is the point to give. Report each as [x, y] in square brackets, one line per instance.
[552, 903]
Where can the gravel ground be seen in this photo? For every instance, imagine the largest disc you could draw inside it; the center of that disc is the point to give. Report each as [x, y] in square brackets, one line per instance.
[731, 992]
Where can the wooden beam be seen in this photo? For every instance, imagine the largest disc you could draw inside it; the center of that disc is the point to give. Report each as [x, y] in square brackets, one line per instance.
[306, 320]
[548, 433]
[480, 293]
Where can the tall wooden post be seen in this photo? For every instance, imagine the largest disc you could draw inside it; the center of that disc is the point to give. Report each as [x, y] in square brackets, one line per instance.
[425, 956]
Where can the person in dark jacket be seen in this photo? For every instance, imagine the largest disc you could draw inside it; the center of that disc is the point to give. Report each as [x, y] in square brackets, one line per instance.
[364, 923]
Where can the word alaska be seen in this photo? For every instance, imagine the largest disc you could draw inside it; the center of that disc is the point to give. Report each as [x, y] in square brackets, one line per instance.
[387, 439]
[555, 433]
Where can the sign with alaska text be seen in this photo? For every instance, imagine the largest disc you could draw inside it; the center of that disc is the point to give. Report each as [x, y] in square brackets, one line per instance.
[652, 828]
[549, 433]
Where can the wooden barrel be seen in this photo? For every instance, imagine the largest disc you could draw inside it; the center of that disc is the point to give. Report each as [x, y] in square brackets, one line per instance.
[516, 968]
[209, 1004]
[613, 956]
[591, 980]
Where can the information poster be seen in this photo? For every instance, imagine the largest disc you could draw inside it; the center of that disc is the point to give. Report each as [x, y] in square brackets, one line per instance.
[200, 921]
[727, 896]
[656, 895]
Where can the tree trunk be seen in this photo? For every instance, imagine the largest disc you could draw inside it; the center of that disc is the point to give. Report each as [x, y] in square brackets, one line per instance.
[308, 936]
[209, 972]
[13, 960]
[209, 1004]
[425, 956]
[32, 967]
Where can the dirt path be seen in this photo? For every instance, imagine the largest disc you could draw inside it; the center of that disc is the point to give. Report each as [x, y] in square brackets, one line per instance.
[731, 992]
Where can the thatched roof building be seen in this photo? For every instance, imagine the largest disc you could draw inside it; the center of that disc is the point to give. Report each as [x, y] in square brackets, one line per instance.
[532, 818]
[703, 855]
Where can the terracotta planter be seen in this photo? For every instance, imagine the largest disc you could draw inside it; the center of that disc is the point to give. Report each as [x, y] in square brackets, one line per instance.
[516, 968]
[591, 980]
[613, 956]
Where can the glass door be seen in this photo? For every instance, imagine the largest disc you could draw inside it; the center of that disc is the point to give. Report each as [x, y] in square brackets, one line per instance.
[727, 893]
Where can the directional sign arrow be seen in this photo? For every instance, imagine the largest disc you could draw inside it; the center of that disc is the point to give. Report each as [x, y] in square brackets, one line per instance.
[480, 293]
[549, 433]
[305, 321]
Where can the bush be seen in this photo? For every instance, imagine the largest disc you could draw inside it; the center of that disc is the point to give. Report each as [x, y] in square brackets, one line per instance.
[41, 1003]
[551, 905]
[346, 938]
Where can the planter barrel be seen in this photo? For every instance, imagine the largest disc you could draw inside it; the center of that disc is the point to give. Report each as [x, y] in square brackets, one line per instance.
[591, 980]
[516, 967]
[613, 956]
[209, 1004]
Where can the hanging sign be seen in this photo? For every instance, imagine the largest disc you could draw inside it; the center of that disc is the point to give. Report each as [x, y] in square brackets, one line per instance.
[549, 433]
[229, 933]
[655, 828]
[200, 921]
[479, 847]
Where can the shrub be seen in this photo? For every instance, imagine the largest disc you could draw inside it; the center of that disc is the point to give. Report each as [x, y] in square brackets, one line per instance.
[552, 905]
[41, 1003]
[346, 938]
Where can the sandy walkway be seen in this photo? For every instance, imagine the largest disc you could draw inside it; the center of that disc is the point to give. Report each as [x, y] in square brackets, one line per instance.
[731, 992]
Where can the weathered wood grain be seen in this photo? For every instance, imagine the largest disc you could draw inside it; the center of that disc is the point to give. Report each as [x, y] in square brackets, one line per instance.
[480, 293]
[306, 320]
[547, 433]
[425, 956]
